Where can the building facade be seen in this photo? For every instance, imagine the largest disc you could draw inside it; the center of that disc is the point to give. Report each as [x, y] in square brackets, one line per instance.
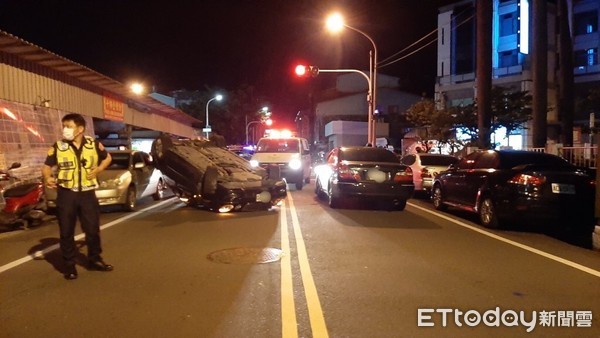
[511, 57]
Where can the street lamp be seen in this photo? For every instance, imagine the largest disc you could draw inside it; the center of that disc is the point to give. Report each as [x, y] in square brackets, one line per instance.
[264, 111]
[137, 88]
[207, 129]
[335, 23]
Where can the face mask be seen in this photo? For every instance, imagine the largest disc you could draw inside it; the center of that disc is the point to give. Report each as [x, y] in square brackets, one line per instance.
[68, 133]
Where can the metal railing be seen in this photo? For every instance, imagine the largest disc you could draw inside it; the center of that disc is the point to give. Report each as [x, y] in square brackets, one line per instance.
[579, 156]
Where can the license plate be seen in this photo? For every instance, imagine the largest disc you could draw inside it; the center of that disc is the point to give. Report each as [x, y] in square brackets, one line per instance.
[559, 188]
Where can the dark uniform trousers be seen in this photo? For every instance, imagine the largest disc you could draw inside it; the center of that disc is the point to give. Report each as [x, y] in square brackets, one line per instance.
[83, 205]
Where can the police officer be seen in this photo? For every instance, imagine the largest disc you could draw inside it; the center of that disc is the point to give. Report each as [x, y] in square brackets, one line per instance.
[78, 159]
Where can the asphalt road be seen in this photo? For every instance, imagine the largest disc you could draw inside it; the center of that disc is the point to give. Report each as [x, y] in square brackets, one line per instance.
[301, 270]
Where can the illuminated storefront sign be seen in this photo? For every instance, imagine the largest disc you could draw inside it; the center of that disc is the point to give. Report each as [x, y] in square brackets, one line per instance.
[113, 109]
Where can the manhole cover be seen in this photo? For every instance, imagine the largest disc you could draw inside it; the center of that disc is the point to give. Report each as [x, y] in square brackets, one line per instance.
[246, 255]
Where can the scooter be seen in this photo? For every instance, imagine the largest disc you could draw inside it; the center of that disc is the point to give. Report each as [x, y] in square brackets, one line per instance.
[24, 202]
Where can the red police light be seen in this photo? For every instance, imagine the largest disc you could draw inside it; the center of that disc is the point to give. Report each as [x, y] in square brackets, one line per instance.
[300, 70]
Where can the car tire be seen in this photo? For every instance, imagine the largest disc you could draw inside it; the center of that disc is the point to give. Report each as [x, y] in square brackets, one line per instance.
[160, 146]
[307, 180]
[130, 201]
[160, 191]
[401, 205]
[300, 183]
[333, 201]
[487, 214]
[437, 198]
[209, 182]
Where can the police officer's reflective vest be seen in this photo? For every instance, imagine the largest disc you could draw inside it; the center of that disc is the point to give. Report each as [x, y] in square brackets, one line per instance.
[73, 169]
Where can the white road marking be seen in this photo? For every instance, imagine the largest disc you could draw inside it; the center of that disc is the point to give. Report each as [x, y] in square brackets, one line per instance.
[315, 312]
[41, 253]
[511, 242]
[289, 324]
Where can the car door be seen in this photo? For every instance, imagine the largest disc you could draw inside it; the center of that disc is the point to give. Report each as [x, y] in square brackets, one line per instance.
[477, 178]
[326, 170]
[454, 185]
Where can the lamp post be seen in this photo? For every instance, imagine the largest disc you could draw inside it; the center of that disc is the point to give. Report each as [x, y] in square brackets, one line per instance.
[207, 129]
[335, 23]
[248, 126]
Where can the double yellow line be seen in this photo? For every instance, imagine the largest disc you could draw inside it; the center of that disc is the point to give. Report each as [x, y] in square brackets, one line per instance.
[289, 324]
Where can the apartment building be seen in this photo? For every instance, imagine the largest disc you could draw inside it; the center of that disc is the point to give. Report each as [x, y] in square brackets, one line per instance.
[511, 57]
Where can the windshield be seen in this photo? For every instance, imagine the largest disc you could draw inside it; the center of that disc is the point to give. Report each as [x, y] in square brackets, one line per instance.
[368, 155]
[119, 161]
[277, 146]
[438, 160]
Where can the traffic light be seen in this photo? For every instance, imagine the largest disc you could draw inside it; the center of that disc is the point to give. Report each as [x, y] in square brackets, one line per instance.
[302, 70]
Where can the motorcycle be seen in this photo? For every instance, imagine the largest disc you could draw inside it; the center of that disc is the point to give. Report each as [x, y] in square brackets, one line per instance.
[24, 202]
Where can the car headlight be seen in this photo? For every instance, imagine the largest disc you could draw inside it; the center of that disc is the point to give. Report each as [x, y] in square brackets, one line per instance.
[253, 163]
[295, 164]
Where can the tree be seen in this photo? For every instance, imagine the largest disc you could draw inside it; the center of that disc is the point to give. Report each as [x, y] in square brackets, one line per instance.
[509, 109]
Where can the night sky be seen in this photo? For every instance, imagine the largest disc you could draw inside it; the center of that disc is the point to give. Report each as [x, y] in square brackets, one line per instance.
[223, 44]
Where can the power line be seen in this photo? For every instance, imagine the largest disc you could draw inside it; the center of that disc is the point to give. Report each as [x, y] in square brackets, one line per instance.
[385, 62]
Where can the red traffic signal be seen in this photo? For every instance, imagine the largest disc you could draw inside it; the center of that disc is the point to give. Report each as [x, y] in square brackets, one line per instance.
[302, 70]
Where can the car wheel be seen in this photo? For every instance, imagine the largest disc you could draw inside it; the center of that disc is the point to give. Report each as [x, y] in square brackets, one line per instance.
[209, 182]
[300, 183]
[160, 191]
[437, 199]
[307, 180]
[401, 205]
[487, 214]
[160, 146]
[333, 201]
[131, 199]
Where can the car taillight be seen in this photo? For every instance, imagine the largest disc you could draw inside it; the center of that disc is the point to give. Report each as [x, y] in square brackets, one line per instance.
[345, 173]
[405, 176]
[524, 179]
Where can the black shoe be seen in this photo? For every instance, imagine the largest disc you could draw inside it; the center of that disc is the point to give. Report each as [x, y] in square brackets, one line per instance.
[99, 265]
[71, 273]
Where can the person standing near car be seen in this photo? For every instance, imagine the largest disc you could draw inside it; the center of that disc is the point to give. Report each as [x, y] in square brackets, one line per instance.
[78, 159]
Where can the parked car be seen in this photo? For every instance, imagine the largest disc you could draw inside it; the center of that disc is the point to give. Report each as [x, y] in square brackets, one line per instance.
[518, 185]
[200, 173]
[364, 172]
[425, 167]
[131, 176]
[291, 156]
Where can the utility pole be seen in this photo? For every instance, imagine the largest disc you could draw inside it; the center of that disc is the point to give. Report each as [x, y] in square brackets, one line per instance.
[484, 10]
[539, 63]
[566, 97]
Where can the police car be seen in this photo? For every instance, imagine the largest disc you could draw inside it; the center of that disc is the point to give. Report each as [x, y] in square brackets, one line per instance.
[287, 154]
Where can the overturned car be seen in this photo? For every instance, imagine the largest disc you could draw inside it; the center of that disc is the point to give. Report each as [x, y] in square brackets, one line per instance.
[202, 174]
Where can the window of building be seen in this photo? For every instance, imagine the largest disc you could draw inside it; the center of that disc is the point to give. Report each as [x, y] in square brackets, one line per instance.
[509, 24]
[443, 33]
[508, 58]
[586, 22]
[586, 57]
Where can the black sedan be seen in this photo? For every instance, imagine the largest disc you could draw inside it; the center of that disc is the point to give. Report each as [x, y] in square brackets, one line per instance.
[364, 172]
[504, 186]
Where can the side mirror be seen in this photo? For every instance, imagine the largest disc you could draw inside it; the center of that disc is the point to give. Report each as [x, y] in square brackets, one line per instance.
[452, 166]
[15, 165]
[139, 165]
